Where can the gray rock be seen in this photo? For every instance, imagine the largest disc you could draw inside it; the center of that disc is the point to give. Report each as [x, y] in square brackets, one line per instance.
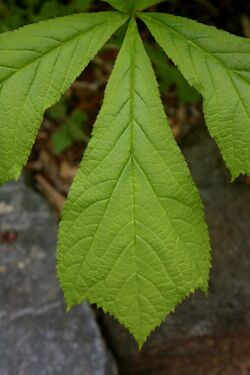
[37, 337]
[213, 330]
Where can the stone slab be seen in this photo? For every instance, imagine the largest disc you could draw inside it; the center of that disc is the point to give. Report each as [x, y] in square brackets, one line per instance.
[37, 336]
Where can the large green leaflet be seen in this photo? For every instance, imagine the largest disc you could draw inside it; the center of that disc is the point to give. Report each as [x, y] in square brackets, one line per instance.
[37, 65]
[217, 64]
[133, 238]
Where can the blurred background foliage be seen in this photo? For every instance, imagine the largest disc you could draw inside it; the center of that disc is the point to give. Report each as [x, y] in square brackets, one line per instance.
[14, 13]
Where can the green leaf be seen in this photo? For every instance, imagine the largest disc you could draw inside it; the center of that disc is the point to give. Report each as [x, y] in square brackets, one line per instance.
[58, 110]
[131, 5]
[62, 139]
[217, 64]
[71, 131]
[133, 238]
[37, 65]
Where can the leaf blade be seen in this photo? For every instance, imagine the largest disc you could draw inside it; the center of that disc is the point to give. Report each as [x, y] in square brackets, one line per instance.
[37, 65]
[217, 64]
[132, 238]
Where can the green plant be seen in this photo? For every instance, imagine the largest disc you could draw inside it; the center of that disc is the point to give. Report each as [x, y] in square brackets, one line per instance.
[132, 238]
[71, 129]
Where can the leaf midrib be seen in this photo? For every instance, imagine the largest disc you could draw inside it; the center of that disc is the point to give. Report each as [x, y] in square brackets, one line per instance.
[132, 135]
